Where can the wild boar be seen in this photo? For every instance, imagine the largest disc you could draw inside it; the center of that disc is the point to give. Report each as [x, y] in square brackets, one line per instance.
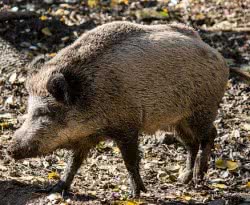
[120, 80]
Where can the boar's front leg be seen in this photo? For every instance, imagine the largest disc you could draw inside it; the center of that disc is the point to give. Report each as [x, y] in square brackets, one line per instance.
[128, 144]
[74, 162]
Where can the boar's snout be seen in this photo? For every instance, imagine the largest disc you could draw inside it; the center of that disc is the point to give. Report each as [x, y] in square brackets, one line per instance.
[19, 151]
[13, 151]
[21, 148]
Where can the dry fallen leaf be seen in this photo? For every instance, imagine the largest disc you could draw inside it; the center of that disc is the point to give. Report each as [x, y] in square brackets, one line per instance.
[116, 150]
[43, 18]
[52, 55]
[220, 186]
[128, 202]
[7, 124]
[247, 126]
[59, 12]
[220, 164]
[186, 197]
[46, 31]
[55, 198]
[115, 2]
[217, 146]
[53, 175]
[231, 165]
[226, 164]
[200, 16]
[13, 78]
[92, 3]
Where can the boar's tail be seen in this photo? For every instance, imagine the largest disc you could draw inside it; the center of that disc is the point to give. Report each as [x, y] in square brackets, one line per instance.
[234, 71]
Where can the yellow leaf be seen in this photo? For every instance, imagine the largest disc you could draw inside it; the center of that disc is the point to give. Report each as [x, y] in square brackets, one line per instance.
[129, 202]
[248, 184]
[186, 197]
[46, 31]
[52, 54]
[93, 193]
[124, 1]
[231, 165]
[59, 12]
[220, 186]
[7, 124]
[53, 175]
[93, 3]
[43, 18]
[116, 150]
[226, 164]
[221, 164]
[200, 16]
[165, 10]
[4, 125]
[114, 3]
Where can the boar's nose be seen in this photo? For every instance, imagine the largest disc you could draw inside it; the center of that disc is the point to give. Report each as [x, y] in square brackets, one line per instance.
[15, 150]
[19, 150]
[12, 151]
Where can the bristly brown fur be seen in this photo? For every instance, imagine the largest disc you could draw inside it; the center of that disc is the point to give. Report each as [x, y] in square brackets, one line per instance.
[92, 44]
[117, 81]
[136, 69]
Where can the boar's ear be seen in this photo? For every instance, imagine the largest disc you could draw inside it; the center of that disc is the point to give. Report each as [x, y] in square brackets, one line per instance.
[59, 88]
[36, 64]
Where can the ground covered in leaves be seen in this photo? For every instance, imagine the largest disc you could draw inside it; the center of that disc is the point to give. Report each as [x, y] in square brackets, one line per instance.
[103, 178]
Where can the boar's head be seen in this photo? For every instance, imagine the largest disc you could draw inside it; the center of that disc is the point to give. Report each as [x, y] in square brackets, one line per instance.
[51, 119]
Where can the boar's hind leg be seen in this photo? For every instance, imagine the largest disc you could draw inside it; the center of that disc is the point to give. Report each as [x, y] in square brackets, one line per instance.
[206, 145]
[128, 144]
[186, 136]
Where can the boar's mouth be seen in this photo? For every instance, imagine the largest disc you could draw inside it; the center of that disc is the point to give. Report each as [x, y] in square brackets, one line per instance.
[18, 151]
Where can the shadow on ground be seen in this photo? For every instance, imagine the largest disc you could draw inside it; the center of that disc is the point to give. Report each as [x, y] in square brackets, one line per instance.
[15, 192]
[29, 35]
[24, 35]
[20, 193]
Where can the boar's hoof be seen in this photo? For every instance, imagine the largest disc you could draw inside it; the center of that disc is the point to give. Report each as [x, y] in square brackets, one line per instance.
[185, 177]
[200, 168]
[136, 190]
[198, 176]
